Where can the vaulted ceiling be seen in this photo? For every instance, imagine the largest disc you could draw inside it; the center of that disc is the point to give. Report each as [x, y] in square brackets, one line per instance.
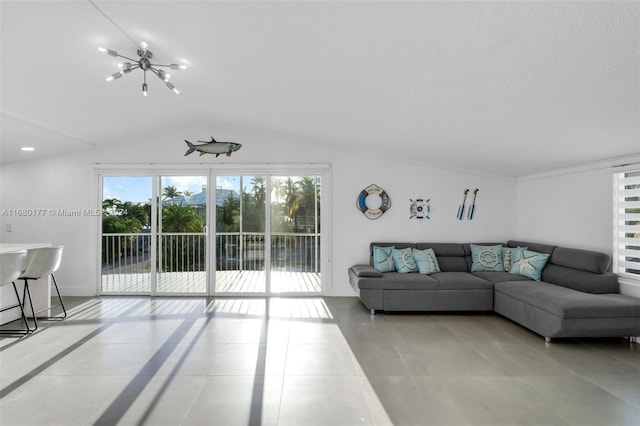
[504, 87]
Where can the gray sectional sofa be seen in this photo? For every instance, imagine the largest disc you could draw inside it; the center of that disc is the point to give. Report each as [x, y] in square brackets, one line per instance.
[576, 296]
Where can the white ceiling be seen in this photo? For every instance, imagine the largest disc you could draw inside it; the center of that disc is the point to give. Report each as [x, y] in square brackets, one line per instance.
[511, 88]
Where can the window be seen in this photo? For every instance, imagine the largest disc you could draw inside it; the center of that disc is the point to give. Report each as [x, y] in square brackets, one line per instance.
[626, 250]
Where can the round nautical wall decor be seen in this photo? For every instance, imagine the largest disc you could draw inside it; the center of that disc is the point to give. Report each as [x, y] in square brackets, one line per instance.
[373, 201]
[420, 208]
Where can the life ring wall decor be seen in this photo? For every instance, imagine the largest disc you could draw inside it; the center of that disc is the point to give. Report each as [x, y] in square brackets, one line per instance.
[373, 212]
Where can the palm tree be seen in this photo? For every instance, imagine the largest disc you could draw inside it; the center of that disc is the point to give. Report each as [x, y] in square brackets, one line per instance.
[278, 189]
[291, 196]
[170, 192]
[258, 183]
[308, 194]
[179, 253]
[177, 218]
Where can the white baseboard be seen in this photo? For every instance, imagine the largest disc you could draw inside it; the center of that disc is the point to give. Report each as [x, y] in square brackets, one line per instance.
[72, 291]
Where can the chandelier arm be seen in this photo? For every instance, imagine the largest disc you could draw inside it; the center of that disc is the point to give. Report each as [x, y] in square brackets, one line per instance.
[126, 57]
[135, 67]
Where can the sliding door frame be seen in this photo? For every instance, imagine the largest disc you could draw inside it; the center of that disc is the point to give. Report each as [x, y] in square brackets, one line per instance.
[269, 171]
[212, 171]
[155, 172]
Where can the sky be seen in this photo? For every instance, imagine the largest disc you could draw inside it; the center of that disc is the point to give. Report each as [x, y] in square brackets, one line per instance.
[137, 189]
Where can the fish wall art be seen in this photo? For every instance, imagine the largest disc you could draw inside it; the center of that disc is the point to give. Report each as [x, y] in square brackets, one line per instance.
[213, 147]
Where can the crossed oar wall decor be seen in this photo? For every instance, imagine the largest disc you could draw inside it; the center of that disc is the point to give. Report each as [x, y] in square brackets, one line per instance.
[472, 209]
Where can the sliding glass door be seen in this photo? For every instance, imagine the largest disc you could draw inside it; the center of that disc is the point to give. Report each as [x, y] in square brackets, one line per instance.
[267, 251]
[181, 236]
[154, 238]
[295, 234]
[126, 240]
[240, 235]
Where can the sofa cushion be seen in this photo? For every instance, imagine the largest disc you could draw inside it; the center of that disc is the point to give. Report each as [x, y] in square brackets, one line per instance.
[404, 261]
[444, 249]
[540, 248]
[451, 256]
[486, 258]
[398, 281]
[507, 254]
[426, 261]
[365, 271]
[568, 303]
[585, 260]
[528, 263]
[581, 280]
[460, 281]
[498, 277]
[396, 245]
[382, 259]
[467, 251]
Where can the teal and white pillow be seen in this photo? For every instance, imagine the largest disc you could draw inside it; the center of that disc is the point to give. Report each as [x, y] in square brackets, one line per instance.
[426, 261]
[486, 258]
[528, 263]
[507, 254]
[382, 259]
[404, 260]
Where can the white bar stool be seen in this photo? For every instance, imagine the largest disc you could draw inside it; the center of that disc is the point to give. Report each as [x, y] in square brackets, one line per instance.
[11, 266]
[44, 262]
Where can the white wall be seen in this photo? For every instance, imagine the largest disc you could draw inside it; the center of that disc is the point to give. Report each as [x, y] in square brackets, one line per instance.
[494, 219]
[69, 182]
[573, 208]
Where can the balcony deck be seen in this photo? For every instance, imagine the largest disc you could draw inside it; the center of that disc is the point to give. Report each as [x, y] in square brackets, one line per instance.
[225, 282]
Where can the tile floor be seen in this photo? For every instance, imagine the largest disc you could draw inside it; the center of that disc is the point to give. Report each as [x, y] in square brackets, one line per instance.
[306, 361]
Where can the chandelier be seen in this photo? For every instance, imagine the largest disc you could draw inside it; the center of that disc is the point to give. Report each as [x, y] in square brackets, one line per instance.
[143, 63]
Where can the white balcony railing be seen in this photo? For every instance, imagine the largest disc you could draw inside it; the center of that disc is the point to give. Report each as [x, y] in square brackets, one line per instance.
[178, 252]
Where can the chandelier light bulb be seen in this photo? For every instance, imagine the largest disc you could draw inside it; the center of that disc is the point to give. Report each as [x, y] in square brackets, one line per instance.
[144, 45]
[108, 51]
[178, 67]
[171, 86]
[144, 89]
[162, 75]
[114, 76]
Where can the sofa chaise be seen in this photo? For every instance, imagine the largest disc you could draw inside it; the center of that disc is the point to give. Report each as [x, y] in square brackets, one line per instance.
[576, 295]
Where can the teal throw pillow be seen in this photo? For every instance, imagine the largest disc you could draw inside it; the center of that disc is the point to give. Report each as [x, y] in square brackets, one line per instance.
[426, 261]
[528, 263]
[507, 254]
[486, 258]
[382, 259]
[404, 261]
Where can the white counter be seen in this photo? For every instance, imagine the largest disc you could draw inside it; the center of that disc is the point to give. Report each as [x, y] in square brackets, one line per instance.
[40, 289]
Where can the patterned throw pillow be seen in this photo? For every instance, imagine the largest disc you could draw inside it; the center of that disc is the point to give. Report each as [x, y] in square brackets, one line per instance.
[528, 263]
[382, 259]
[486, 258]
[426, 261]
[404, 261]
[507, 254]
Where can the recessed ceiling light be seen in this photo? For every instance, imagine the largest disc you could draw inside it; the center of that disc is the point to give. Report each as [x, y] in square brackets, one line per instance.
[28, 148]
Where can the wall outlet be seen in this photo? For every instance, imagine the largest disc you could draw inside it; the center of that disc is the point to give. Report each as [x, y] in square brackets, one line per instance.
[8, 227]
